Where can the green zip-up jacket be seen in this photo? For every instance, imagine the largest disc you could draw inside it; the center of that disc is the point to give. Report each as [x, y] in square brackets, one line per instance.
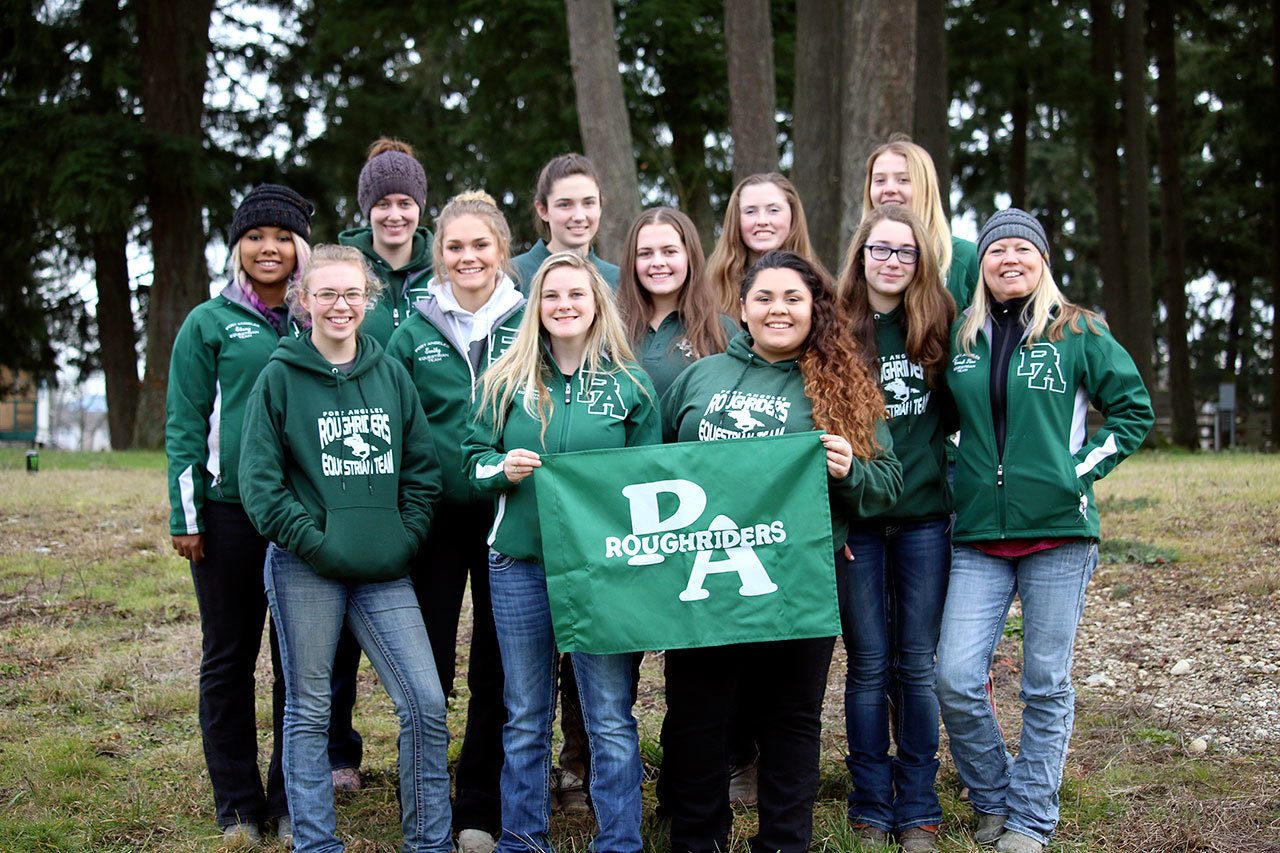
[404, 286]
[919, 419]
[221, 348]
[962, 278]
[339, 468]
[444, 371]
[588, 412]
[664, 352]
[525, 267]
[1043, 486]
[738, 394]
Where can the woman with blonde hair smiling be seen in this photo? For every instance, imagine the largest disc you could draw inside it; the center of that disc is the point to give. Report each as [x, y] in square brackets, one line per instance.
[468, 317]
[764, 214]
[1026, 364]
[902, 172]
[544, 395]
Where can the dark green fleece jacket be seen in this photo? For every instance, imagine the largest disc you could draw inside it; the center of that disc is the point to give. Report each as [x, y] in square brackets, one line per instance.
[919, 419]
[738, 394]
[339, 468]
[525, 267]
[1042, 486]
[221, 348]
[446, 372]
[664, 352]
[589, 411]
[404, 286]
[962, 278]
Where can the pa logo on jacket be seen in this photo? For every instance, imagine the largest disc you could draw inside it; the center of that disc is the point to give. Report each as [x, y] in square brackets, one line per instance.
[1042, 366]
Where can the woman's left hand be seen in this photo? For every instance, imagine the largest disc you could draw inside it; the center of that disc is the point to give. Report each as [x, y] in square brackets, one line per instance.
[839, 456]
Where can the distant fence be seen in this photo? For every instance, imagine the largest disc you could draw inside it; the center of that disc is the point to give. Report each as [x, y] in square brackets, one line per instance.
[1253, 431]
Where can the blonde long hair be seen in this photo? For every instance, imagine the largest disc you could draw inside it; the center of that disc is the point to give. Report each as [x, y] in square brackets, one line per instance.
[523, 367]
[1046, 315]
[731, 258]
[926, 195]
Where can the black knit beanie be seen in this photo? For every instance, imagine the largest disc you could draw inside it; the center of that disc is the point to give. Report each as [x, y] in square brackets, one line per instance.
[272, 204]
[391, 172]
[1013, 223]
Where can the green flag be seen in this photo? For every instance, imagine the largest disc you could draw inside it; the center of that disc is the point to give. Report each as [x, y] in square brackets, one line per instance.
[685, 545]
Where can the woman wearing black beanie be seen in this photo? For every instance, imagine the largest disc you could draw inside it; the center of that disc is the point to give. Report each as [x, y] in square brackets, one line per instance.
[221, 348]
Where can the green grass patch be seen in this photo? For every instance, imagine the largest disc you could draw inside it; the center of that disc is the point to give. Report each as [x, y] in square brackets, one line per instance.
[51, 461]
[1129, 551]
[99, 652]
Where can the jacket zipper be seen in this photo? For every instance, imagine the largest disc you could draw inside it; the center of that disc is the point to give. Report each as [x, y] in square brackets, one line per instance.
[564, 427]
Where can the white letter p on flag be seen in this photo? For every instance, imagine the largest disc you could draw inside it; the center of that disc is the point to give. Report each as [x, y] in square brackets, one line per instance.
[691, 500]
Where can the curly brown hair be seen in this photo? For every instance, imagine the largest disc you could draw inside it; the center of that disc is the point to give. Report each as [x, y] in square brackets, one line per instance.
[845, 397]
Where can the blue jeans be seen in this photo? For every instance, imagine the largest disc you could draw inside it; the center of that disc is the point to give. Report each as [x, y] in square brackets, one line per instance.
[309, 611]
[518, 589]
[892, 608]
[1051, 586]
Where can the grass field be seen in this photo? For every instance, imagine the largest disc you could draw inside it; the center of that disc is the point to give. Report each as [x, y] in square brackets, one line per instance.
[99, 651]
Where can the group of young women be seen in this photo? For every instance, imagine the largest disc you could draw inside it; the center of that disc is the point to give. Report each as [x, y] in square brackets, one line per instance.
[354, 434]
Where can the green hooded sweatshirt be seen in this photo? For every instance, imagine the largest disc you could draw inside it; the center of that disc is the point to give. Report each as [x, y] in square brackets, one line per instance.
[444, 369]
[404, 286]
[525, 267]
[221, 348]
[962, 278]
[664, 352]
[1042, 487]
[589, 411]
[338, 467]
[920, 418]
[738, 394]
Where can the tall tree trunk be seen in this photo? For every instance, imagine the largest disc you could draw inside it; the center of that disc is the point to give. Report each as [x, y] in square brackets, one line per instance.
[107, 233]
[692, 186]
[1275, 234]
[602, 117]
[878, 92]
[1175, 287]
[1103, 143]
[117, 338]
[933, 96]
[748, 38]
[173, 43]
[1139, 332]
[817, 125]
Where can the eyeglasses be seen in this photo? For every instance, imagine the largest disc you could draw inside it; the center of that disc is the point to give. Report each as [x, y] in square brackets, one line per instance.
[328, 296]
[906, 255]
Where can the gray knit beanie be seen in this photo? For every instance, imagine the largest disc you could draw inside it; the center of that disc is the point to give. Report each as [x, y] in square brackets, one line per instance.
[1012, 223]
[391, 172]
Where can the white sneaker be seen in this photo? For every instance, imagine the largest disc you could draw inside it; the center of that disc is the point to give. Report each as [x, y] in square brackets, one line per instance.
[475, 841]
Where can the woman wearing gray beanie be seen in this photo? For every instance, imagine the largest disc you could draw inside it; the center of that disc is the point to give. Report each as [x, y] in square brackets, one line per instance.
[392, 195]
[1025, 365]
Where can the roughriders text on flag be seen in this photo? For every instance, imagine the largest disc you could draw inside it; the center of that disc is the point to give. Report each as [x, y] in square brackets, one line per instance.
[688, 545]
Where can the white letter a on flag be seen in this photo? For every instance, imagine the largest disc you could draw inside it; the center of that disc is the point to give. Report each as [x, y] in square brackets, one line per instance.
[739, 558]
